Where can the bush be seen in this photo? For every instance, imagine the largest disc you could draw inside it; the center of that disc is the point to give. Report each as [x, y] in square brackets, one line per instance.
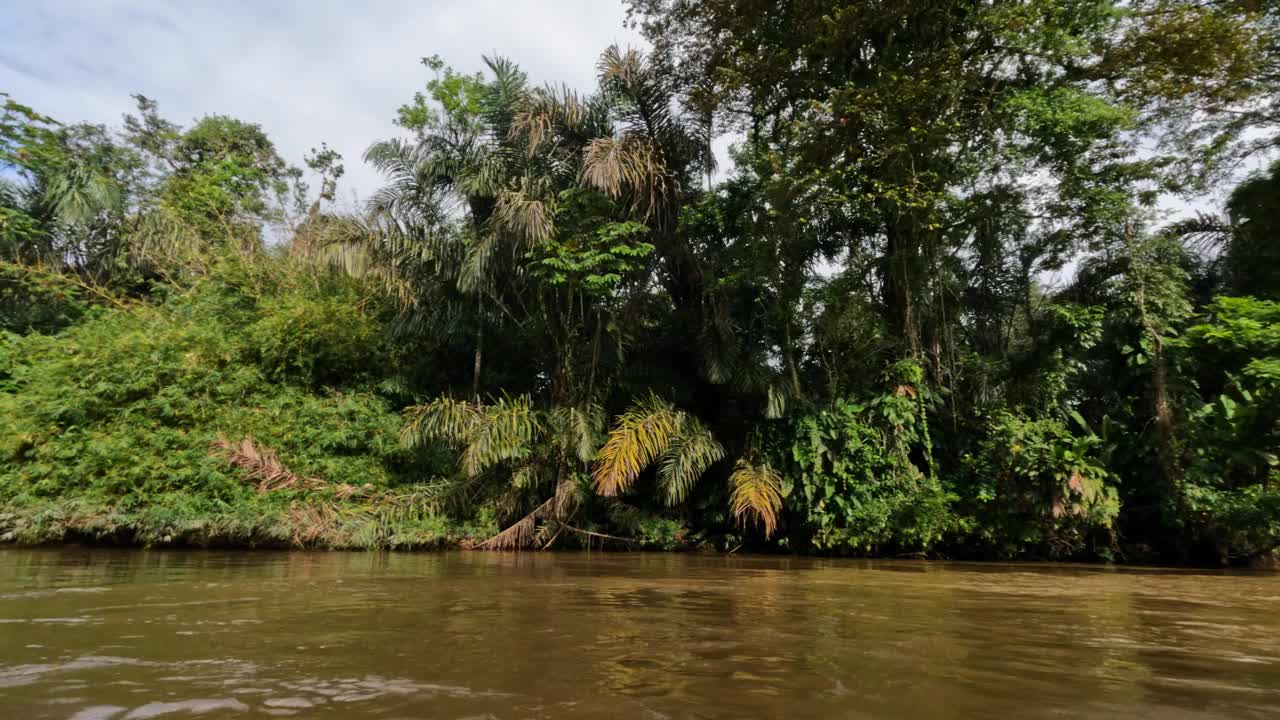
[1034, 487]
[115, 417]
[1229, 492]
[850, 486]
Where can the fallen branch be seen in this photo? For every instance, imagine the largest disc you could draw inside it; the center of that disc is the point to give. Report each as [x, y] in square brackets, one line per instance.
[601, 536]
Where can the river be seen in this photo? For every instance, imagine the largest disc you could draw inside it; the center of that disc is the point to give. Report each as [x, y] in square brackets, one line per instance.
[118, 634]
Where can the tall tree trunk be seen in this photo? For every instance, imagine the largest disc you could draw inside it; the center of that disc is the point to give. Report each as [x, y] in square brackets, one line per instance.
[479, 355]
[1161, 409]
[897, 291]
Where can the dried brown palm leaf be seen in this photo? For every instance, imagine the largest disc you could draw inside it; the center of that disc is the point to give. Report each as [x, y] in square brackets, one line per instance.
[522, 534]
[545, 110]
[630, 166]
[624, 66]
[524, 216]
[310, 523]
[567, 498]
[261, 464]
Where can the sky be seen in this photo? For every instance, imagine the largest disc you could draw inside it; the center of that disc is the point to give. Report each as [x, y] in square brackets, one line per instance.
[319, 70]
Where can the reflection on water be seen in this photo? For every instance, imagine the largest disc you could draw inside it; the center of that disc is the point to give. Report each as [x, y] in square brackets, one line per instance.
[116, 635]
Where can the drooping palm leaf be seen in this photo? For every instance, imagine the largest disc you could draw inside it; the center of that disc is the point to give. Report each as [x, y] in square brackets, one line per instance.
[443, 419]
[756, 495]
[690, 453]
[485, 435]
[580, 430]
[641, 434]
[632, 167]
[654, 430]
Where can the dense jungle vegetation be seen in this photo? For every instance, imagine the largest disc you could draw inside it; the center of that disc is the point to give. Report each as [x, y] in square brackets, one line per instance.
[942, 303]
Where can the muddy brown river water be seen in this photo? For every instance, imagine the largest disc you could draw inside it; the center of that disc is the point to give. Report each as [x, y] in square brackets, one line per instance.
[117, 634]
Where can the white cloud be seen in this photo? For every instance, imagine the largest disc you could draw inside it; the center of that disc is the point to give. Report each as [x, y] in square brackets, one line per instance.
[305, 71]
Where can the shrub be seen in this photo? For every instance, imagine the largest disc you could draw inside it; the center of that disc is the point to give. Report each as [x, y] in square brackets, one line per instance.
[849, 483]
[1033, 486]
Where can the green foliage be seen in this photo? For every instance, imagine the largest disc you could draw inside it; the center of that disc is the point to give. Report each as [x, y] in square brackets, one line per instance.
[226, 178]
[588, 250]
[324, 338]
[850, 484]
[1232, 433]
[458, 95]
[34, 302]
[1034, 486]
[119, 413]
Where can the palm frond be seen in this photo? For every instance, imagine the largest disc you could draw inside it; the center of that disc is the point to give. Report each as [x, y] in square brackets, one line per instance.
[778, 397]
[443, 419]
[485, 435]
[630, 166]
[567, 498]
[506, 431]
[504, 94]
[260, 464]
[477, 266]
[580, 429]
[721, 343]
[521, 534]
[756, 495]
[162, 239]
[558, 118]
[641, 434]
[79, 195]
[654, 430]
[526, 217]
[1203, 232]
[525, 477]
[690, 453]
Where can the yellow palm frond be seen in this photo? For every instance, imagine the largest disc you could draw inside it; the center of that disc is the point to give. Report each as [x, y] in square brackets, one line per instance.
[642, 434]
[654, 430]
[756, 494]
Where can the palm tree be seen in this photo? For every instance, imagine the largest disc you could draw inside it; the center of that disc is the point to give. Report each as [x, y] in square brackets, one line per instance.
[1241, 241]
[634, 143]
[654, 430]
[529, 448]
[434, 219]
[507, 173]
[64, 207]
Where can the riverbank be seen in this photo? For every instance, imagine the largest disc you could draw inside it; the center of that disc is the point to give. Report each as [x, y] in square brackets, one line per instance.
[276, 523]
[310, 521]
